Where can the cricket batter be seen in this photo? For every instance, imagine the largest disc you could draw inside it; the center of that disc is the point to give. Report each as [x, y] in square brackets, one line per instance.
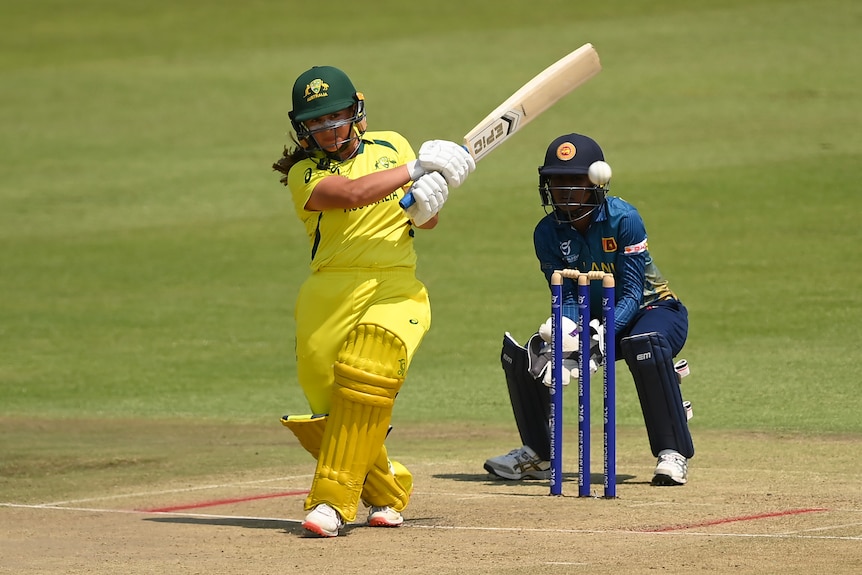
[362, 313]
[586, 229]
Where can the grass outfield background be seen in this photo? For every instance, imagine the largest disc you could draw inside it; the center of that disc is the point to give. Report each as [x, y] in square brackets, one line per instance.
[149, 258]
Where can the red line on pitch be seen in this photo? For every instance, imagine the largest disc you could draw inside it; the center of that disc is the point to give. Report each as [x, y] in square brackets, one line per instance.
[222, 502]
[736, 519]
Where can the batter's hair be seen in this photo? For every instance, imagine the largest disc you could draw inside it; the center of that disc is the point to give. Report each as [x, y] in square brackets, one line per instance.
[289, 157]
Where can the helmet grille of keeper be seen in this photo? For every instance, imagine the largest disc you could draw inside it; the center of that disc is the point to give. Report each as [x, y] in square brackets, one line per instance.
[570, 155]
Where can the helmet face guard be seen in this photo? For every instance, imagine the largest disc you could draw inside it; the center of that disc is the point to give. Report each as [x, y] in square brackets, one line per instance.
[571, 197]
[570, 204]
[319, 92]
[306, 136]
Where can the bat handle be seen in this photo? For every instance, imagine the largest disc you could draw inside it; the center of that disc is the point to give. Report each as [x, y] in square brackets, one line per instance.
[408, 200]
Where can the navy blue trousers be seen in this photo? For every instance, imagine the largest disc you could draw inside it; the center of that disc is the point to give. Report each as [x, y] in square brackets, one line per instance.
[668, 317]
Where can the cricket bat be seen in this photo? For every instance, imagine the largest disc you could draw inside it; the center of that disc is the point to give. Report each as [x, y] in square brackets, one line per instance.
[531, 99]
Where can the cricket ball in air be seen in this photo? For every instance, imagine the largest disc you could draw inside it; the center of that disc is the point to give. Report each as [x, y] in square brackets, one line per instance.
[599, 173]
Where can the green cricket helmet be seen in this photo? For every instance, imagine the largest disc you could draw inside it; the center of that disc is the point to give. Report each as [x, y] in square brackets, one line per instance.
[321, 91]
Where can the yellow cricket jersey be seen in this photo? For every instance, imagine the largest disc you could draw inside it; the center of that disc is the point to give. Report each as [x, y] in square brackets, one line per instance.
[374, 236]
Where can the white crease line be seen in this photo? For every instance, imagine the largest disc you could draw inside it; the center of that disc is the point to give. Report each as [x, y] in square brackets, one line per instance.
[138, 512]
[461, 496]
[827, 528]
[410, 525]
[772, 536]
[630, 532]
[169, 491]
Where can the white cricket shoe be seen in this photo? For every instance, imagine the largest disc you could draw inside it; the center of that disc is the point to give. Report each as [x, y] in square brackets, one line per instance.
[384, 517]
[521, 463]
[323, 521]
[671, 469]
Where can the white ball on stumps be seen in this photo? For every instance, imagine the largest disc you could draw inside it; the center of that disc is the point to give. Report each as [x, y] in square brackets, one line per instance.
[600, 173]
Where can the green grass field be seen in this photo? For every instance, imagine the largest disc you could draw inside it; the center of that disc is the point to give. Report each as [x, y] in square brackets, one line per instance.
[149, 258]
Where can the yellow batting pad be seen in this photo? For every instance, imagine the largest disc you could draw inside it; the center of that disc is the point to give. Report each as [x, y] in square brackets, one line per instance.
[368, 374]
[308, 429]
[402, 476]
[389, 484]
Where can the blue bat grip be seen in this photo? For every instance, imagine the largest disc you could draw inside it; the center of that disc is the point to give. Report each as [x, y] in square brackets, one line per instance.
[407, 201]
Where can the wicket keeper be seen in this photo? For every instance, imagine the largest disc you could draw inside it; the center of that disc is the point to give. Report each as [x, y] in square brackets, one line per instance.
[586, 229]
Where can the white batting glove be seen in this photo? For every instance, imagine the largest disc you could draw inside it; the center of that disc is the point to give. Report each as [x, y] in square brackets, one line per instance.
[448, 158]
[430, 193]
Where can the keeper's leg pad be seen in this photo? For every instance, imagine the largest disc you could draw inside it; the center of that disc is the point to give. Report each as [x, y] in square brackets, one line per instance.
[308, 429]
[650, 361]
[388, 484]
[369, 371]
[530, 398]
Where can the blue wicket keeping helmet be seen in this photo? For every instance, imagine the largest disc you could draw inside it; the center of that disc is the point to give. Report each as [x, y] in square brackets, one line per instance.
[570, 155]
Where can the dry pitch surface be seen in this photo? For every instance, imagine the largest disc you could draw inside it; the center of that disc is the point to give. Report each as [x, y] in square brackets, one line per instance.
[754, 504]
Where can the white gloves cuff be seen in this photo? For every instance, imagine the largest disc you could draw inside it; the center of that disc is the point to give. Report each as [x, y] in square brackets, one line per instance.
[415, 170]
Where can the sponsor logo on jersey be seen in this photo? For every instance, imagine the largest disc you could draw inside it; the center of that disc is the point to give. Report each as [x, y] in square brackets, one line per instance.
[638, 248]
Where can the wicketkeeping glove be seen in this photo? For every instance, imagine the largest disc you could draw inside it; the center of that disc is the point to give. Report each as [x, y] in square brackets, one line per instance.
[448, 158]
[430, 193]
[540, 353]
[570, 333]
[597, 345]
[571, 357]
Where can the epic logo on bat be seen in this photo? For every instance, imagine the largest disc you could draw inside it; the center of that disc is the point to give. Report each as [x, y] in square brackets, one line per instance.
[490, 137]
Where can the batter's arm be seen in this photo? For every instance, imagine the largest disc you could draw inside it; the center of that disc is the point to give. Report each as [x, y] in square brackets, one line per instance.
[340, 192]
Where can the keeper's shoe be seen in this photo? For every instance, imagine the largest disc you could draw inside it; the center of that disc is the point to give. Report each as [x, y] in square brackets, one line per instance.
[384, 517]
[671, 469]
[521, 463]
[323, 521]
